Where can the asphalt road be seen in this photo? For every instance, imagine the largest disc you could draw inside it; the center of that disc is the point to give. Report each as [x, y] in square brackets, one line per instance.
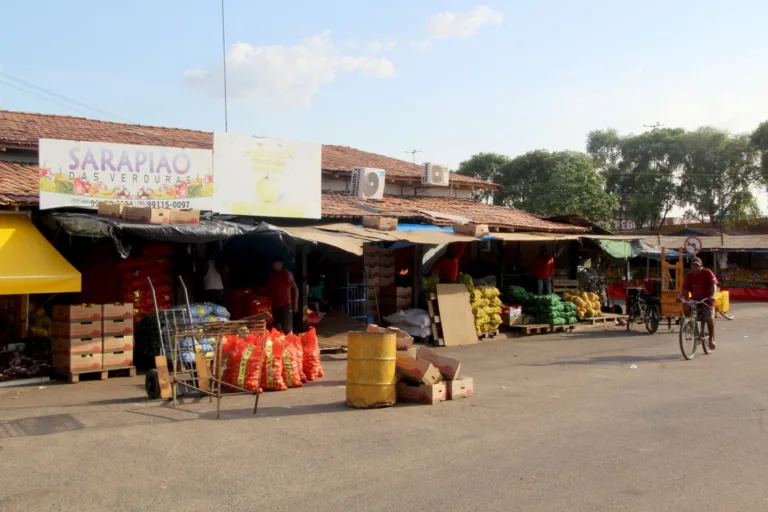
[558, 423]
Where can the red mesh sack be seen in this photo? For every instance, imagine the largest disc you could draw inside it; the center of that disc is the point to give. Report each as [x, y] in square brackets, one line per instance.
[232, 355]
[292, 362]
[252, 355]
[272, 371]
[312, 367]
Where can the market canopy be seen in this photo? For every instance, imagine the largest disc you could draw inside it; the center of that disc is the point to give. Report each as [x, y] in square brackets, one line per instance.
[30, 264]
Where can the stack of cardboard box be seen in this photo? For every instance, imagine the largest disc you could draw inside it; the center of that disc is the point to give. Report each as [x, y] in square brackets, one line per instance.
[92, 337]
[426, 377]
[148, 214]
[117, 329]
[76, 342]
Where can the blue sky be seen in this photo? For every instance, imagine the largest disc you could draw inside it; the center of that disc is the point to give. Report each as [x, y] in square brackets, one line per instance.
[450, 77]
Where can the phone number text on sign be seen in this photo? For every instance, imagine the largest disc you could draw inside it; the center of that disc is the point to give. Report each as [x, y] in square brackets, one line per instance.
[94, 203]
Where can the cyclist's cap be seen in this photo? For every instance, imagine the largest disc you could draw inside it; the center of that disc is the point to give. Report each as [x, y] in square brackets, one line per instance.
[697, 261]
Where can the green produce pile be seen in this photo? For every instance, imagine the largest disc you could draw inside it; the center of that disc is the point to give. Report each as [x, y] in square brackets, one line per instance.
[429, 284]
[546, 309]
[486, 307]
[467, 281]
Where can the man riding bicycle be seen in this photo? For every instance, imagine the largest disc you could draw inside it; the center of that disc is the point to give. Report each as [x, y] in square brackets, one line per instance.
[701, 283]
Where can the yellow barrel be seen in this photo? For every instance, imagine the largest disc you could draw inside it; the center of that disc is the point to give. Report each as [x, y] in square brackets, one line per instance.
[371, 369]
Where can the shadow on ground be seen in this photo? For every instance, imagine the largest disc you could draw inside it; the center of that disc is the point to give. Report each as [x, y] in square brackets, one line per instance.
[614, 360]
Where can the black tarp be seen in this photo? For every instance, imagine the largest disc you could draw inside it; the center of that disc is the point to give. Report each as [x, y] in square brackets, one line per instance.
[209, 230]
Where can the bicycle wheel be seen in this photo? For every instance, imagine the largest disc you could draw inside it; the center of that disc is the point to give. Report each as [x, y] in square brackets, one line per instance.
[688, 338]
[704, 333]
[652, 318]
[631, 317]
[726, 314]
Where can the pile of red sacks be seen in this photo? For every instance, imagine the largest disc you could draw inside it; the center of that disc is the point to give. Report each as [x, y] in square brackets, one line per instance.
[288, 361]
[154, 262]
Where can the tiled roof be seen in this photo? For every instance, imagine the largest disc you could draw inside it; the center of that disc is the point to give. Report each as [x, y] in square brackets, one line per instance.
[336, 205]
[342, 159]
[19, 184]
[23, 129]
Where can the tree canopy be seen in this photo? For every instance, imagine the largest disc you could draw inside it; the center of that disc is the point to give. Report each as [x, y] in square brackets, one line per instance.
[486, 167]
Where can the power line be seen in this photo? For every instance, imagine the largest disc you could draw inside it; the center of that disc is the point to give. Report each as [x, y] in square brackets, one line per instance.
[60, 96]
[68, 107]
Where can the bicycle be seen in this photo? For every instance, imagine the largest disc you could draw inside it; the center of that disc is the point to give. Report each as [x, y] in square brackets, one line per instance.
[693, 330]
[647, 309]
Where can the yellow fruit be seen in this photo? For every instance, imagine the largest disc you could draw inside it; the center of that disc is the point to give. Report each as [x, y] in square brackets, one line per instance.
[580, 314]
[579, 302]
[266, 190]
[589, 313]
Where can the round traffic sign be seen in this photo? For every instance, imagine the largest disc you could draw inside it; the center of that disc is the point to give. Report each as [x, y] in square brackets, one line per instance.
[692, 245]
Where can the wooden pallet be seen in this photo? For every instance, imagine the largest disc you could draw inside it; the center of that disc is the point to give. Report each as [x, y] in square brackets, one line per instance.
[328, 348]
[74, 377]
[434, 315]
[529, 329]
[563, 328]
[604, 319]
[489, 334]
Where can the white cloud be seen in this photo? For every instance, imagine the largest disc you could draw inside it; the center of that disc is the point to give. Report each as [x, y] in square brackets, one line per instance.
[287, 75]
[380, 46]
[449, 24]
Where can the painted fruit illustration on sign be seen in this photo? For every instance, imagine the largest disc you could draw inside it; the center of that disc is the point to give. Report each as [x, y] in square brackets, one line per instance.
[267, 190]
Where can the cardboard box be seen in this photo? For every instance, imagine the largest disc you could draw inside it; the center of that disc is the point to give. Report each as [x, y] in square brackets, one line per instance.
[448, 366]
[387, 271]
[385, 281]
[114, 210]
[419, 372]
[373, 282]
[88, 329]
[471, 229]
[371, 260]
[460, 388]
[404, 340]
[403, 292]
[179, 216]
[120, 342]
[114, 310]
[77, 362]
[117, 326]
[370, 249]
[76, 346]
[380, 223]
[147, 214]
[119, 359]
[79, 313]
[420, 393]
[372, 271]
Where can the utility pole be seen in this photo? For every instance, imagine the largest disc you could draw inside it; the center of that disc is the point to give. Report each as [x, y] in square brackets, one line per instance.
[654, 127]
[413, 154]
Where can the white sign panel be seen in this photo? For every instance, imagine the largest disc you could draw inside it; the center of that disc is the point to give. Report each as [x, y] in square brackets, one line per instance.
[266, 177]
[82, 174]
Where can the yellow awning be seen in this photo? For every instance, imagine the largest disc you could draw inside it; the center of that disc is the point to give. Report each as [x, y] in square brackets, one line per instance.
[28, 263]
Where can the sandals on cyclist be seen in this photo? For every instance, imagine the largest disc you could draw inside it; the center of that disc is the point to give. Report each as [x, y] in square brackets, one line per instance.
[712, 345]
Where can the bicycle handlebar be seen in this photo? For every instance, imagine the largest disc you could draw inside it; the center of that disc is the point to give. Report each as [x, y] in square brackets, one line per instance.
[702, 301]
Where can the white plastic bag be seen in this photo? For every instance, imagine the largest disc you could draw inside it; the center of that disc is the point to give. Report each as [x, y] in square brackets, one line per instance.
[417, 318]
[420, 332]
[396, 318]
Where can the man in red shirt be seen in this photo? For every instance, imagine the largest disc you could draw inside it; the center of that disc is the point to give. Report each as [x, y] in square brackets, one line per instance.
[701, 283]
[447, 267]
[285, 296]
[543, 270]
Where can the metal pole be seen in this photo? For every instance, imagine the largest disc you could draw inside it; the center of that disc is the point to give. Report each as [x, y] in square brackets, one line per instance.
[224, 61]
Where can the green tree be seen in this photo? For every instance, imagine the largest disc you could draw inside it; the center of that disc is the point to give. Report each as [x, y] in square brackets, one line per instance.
[759, 140]
[745, 214]
[547, 183]
[486, 167]
[641, 170]
[718, 170]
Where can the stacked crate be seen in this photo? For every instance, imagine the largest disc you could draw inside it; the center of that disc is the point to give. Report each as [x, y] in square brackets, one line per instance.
[387, 288]
[117, 329]
[76, 342]
[371, 262]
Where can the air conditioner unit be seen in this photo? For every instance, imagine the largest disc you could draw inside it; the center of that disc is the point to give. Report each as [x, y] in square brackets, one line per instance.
[434, 174]
[368, 183]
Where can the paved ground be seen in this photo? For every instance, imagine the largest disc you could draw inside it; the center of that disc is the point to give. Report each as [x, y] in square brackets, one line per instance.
[558, 423]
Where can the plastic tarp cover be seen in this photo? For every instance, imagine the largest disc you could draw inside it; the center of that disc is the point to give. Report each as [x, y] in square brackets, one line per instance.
[619, 249]
[209, 230]
[30, 264]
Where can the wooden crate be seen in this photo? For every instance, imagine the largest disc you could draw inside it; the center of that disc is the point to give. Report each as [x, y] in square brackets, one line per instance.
[74, 377]
[529, 329]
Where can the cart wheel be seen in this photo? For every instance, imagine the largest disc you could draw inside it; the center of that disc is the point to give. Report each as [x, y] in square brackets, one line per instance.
[152, 385]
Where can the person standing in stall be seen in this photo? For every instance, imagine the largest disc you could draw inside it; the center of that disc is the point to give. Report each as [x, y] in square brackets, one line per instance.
[447, 267]
[543, 270]
[284, 295]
